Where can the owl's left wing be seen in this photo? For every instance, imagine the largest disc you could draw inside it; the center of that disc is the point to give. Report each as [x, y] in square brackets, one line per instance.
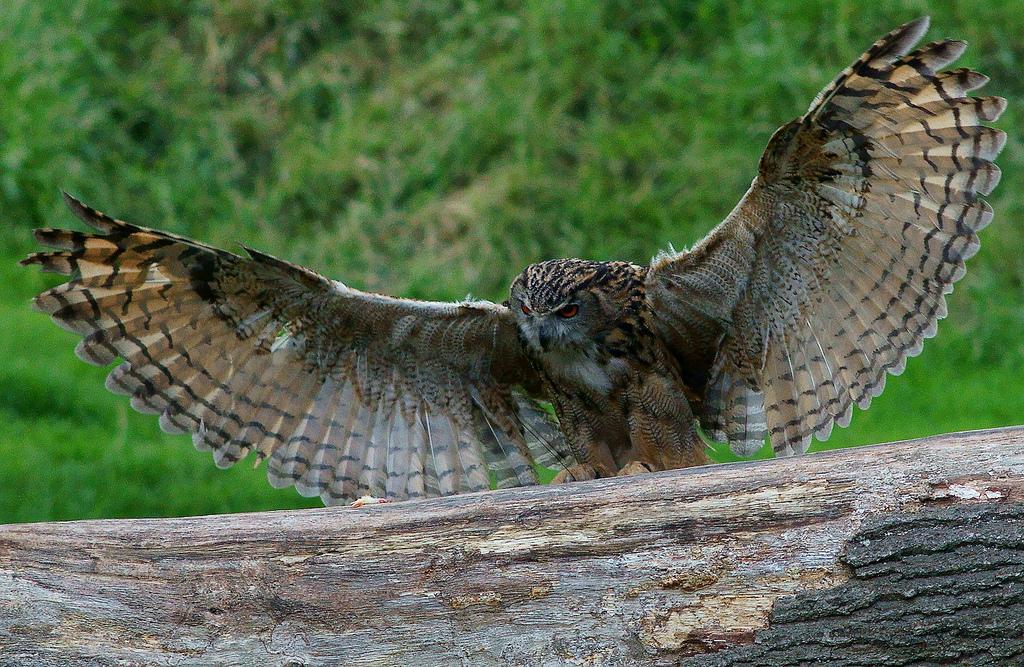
[344, 392]
[834, 266]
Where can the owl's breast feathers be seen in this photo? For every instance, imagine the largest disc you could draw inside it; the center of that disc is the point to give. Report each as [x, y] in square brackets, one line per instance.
[619, 391]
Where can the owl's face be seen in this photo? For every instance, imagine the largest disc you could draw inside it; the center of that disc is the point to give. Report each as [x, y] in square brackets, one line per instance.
[564, 304]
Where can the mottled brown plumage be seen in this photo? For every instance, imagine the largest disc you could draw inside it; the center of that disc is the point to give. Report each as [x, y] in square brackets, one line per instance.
[828, 274]
[618, 391]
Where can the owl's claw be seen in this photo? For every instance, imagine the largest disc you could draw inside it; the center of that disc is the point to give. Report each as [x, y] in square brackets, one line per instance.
[635, 468]
[368, 500]
[579, 472]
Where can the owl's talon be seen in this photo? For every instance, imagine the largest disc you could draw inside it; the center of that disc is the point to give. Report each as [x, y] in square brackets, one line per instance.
[579, 472]
[635, 468]
[368, 500]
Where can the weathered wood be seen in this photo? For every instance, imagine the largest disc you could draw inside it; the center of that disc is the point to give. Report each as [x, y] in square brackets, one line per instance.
[699, 566]
[940, 586]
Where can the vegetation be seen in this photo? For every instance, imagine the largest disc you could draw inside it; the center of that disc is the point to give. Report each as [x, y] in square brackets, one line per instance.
[428, 148]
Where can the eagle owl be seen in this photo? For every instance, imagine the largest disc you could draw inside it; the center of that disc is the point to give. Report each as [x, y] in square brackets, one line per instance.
[829, 273]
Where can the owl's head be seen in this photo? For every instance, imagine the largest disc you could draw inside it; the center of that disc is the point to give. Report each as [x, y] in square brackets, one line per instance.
[568, 303]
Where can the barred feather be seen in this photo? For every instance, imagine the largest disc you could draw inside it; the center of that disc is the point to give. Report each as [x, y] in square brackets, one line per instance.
[833, 268]
[342, 392]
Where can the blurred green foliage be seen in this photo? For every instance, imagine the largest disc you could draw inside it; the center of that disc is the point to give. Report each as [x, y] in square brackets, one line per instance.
[429, 148]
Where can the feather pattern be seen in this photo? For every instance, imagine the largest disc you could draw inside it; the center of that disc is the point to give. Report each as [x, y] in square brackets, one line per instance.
[342, 392]
[832, 269]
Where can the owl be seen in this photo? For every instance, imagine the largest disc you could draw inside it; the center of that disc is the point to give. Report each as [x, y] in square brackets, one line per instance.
[829, 273]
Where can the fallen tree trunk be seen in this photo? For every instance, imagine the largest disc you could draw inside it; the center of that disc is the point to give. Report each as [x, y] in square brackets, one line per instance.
[902, 553]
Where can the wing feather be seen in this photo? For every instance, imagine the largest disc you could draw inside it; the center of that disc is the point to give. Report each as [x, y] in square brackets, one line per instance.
[343, 392]
[833, 268]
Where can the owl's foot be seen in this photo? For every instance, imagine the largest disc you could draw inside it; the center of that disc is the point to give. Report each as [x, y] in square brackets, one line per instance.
[635, 468]
[368, 500]
[579, 472]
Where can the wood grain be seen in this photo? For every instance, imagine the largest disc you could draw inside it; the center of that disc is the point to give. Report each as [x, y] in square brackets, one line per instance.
[648, 570]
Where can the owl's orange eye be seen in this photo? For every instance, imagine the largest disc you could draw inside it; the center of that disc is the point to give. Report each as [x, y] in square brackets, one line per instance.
[526, 311]
[569, 311]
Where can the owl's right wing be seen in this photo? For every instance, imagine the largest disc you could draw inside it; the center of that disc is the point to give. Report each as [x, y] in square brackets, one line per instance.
[345, 393]
[834, 266]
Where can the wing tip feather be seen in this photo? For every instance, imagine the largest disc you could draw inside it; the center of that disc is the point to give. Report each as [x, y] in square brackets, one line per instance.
[911, 32]
[90, 216]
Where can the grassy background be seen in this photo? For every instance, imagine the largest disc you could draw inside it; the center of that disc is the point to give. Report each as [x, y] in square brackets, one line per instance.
[428, 149]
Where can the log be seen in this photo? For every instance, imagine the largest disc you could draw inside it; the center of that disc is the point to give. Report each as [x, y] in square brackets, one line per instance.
[903, 553]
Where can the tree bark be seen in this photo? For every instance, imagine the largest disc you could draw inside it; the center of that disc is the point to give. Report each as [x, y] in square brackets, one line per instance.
[897, 554]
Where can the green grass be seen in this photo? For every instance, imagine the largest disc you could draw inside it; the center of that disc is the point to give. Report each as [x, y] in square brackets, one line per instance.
[429, 149]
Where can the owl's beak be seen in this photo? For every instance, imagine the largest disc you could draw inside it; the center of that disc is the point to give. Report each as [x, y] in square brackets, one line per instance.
[544, 337]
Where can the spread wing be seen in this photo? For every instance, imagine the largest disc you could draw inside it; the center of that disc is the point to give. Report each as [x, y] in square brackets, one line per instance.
[345, 393]
[834, 266]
